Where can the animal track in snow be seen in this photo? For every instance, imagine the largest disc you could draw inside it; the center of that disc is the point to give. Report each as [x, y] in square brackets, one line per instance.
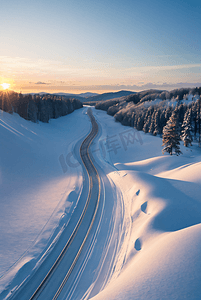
[144, 207]
[138, 245]
[137, 193]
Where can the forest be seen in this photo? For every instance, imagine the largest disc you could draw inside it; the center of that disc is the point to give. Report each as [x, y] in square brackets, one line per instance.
[36, 107]
[174, 115]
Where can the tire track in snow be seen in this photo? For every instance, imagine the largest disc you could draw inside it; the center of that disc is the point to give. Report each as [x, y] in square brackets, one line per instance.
[94, 181]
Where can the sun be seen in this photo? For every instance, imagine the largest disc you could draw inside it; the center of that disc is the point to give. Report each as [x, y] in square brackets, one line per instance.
[5, 85]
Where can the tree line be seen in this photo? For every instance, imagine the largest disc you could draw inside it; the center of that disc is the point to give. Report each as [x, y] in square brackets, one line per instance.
[174, 121]
[36, 107]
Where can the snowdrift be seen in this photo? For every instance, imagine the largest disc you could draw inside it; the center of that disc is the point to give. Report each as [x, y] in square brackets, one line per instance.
[162, 209]
[39, 188]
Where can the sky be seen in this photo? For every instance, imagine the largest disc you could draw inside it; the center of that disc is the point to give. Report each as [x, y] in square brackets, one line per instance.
[76, 46]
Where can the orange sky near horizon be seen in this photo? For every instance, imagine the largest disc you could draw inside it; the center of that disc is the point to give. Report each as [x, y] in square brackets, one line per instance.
[46, 76]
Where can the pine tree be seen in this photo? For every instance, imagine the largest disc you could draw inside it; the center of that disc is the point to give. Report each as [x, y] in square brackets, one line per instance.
[181, 111]
[162, 121]
[186, 129]
[148, 113]
[171, 135]
[32, 110]
[152, 123]
[156, 124]
[132, 119]
[136, 119]
[195, 118]
[23, 106]
[140, 121]
[147, 125]
[168, 113]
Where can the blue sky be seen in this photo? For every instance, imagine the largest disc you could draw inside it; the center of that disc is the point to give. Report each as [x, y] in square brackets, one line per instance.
[77, 46]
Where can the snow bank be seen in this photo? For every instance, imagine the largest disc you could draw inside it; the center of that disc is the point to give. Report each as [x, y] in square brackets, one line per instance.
[168, 269]
[162, 212]
[39, 186]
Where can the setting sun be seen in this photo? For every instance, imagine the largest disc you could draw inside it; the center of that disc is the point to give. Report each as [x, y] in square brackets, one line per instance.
[5, 86]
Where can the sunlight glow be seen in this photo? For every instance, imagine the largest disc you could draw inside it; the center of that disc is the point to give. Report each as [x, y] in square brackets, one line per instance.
[5, 86]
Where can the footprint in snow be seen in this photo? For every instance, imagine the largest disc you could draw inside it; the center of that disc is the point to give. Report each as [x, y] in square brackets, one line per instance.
[144, 207]
[137, 193]
[138, 245]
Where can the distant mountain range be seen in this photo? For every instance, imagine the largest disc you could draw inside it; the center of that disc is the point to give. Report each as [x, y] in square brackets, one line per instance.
[90, 97]
[80, 97]
[77, 96]
[108, 96]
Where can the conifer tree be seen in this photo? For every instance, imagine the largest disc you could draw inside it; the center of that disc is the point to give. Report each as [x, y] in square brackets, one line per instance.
[147, 125]
[156, 124]
[32, 110]
[186, 129]
[140, 121]
[181, 112]
[168, 113]
[162, 121]
[149, 112]
[132, 119]
[135, 121]
[171, 135]
[195, 118]
[152, 123]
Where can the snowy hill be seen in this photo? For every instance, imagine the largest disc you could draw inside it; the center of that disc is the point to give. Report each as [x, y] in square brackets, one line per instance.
[90, 97]
[155, 223]
[162, 229]
[38, 191]
[111, 95]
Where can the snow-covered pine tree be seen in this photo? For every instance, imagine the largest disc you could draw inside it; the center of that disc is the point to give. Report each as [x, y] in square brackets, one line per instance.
[199, 121]
[195, 117]
[171, 135]
[132, 119]
[140, 121]
[147, 125]
[149, 112]
[135, 120]
[152, 123]
[168, 113]
[182, 108]
[156, 123]
[186, 129]
[162, 121]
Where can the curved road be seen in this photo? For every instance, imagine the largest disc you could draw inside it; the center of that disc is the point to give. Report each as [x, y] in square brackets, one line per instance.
[48, 285]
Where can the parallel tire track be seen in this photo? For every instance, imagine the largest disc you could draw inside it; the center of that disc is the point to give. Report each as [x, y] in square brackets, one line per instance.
[85, 159]
[93, 176]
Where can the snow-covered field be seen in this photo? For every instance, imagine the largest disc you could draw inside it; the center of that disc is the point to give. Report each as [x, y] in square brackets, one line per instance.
[152, 202]
[39, 190]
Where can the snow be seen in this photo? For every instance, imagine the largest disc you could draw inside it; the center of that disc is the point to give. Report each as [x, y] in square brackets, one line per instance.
[36, 195]
[147, 238]
[163, 211]
[188, 99]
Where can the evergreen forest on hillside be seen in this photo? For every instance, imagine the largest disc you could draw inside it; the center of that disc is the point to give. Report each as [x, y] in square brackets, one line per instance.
[173, 115]
[36, 107]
